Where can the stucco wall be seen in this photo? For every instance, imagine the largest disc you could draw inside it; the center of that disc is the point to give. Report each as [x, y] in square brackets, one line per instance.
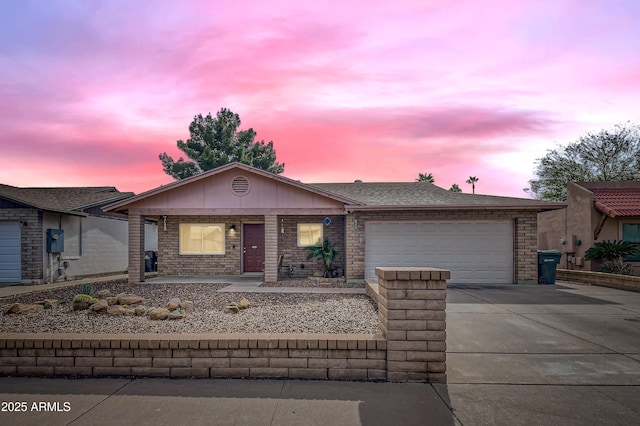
[552, 230]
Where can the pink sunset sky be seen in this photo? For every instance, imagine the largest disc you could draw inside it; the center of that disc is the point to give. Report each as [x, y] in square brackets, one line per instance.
[92, 91]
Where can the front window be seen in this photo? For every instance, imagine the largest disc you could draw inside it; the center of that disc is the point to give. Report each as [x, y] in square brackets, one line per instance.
[309, 234]
[201, 238]
[631, 233]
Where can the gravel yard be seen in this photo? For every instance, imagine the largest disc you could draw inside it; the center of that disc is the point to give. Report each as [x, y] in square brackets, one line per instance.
[269, 313]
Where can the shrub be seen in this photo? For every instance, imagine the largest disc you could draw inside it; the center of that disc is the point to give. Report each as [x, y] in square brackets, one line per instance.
[613, 267]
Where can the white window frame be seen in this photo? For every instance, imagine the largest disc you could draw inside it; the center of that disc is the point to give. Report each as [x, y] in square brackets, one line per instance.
[202, 253]
[319, 225]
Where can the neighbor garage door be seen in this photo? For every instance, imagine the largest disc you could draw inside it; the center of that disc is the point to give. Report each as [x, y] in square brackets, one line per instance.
[474, 251]
[9, 252]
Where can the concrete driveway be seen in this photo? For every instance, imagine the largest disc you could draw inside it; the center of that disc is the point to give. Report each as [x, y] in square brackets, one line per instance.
[561, 354]
[517, 355]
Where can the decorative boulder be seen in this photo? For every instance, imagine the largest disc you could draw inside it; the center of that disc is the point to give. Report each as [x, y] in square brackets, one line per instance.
[177, 314]
[100, 307]
[128, 299]
[244, 304]
[140, 311]
[116, 310]
[130, 312]
[19, 308]
[103, 294]
[159, 314]
[233, 308]
[50, 303]
[187, 304]
[14, 309]
[173, 304]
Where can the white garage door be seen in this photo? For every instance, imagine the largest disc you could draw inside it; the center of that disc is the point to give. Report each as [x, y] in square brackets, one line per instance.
[10, 252]
[475, 251]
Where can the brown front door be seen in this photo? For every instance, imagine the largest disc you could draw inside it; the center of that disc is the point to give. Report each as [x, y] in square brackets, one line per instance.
[253, 248]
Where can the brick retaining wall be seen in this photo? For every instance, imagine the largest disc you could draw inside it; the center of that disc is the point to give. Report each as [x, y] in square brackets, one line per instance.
[621, 282]
[411, 348]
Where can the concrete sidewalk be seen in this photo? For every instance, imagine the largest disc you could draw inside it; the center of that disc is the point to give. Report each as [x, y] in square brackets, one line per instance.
[517, 355]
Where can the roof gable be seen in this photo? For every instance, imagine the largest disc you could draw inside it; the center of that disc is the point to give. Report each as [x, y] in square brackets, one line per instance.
[214, 190]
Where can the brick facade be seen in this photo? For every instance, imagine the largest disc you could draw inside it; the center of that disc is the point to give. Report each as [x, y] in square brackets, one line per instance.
[295, 256]
[170, 262]
[525, 235]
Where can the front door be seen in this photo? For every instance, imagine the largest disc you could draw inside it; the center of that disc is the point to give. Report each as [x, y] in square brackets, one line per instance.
[253, 249]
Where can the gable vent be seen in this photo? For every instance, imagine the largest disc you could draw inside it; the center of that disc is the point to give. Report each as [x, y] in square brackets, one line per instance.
[240, 185]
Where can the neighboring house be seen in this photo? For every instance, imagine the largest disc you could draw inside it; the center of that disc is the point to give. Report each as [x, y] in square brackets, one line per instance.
[237, 219]
[595, 212]
[52, 234]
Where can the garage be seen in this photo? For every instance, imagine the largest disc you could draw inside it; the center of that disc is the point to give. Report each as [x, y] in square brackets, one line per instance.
[475, 251]
[10, 252]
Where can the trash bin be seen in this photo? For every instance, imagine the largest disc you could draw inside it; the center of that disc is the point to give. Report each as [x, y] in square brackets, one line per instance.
[149, 261]
[547, 261]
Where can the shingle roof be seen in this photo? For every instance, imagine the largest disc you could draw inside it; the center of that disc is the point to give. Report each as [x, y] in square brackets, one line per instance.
[422, 194]
[62, 199]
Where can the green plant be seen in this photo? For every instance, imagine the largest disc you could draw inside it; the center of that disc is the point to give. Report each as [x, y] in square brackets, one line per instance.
[613, 267]
[613, 253]
[325, 253]
[86, 289]
[82, 301]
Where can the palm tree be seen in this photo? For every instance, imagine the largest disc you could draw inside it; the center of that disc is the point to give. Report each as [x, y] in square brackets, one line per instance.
[423, 177]
[455, 188]
[472, 181]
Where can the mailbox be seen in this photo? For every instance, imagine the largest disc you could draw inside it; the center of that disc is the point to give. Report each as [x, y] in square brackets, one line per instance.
[55, 240]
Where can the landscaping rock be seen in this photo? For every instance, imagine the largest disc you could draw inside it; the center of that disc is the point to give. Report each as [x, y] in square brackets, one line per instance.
[112, 300]
[116, 310]
[233, 308]
[20, 308]
[140, 310]
[177, 314]
[130, 312]
[100, 307]
[173, 304]
[187, 304]
[159, 314]
[47, 303]
[244, 304]
[103, 294]
[128, 299]
[14, 309]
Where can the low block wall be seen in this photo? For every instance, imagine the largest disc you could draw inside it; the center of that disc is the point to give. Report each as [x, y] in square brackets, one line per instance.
[411, 348]
[622, 282]
[361, 357]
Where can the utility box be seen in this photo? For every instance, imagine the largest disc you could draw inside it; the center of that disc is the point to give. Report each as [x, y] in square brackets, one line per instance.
[547, 261]
[55, 240]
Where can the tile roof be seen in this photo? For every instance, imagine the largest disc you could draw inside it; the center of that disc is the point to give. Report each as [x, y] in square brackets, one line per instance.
[62, 199]
[618, 201]
[423, 194]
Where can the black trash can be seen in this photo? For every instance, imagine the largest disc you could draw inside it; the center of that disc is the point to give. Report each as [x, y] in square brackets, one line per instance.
[150, 261]
[547, 261]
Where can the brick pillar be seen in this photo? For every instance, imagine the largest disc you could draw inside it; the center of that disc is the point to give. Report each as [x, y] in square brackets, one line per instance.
[136, 248]
[411, 309]
[270, 248]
